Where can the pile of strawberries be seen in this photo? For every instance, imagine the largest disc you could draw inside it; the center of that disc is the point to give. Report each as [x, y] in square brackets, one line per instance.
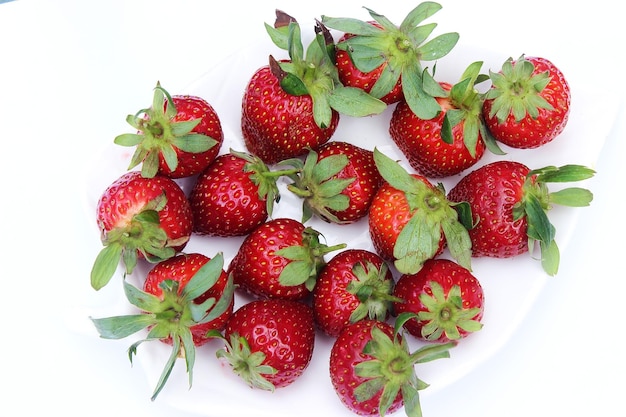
[295, 284]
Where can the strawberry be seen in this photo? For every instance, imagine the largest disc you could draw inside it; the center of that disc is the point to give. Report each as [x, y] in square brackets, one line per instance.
[280, 259]
[528, 104]
[452, 141]
[350, 75]
[234, 195]
[179, 136]
[396, 52]
[140, 218]
[447, 299]
[355, 284]
[294, 104]
[184, 296]
[509, 205]
[411, 220]
[269, 343]
[373, 372]
[336, 183]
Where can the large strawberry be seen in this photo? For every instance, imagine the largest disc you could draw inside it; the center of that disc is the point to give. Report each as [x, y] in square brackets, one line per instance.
[183, 298]
[354, 285]
[528, 104]
[509, 204]
[179, 136]
[336, 183]
[280, 259]
[269, 343]
[140, 218]
[411, 220]
[373, 371]
[395, 53]
[294, 104]
[447, 299]
[234, 195]
[452, 141]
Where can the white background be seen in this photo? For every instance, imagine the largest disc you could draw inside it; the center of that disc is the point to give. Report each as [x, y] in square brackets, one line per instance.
[70, 71]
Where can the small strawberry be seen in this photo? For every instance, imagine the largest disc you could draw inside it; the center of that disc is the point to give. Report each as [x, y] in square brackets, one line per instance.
[183, 297]
[396, 53]
[452, 141]
[411, 220]
[528, 104]
[140, 218]
[447, 299]
[280, 259]
[373, 372]
[234, 195]
[269, 343]
[355, 284]
[509, 204]
[179, 136]
[336, 183]
[291, 105]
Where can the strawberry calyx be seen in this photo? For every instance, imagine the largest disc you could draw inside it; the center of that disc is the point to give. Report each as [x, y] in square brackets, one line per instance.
[171, 316]
[465, 105]
[307, 260]
[537, 200]
[314, 72]
[158, 134]
[392, 368]
[445, 314]
[517, 90]
[316, 185]
[431, 214]
[142, 234]
[401, 49]
[373, 291]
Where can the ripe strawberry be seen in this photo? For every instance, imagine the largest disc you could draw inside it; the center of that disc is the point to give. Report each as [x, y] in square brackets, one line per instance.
[140, 218]
[528, 104]
[410, 220]
[355, 284]
[350, 75]
[280, 259]
[183, 297]
[336, 183]
[452, 141]
[509, 205]
[396, 53]
[447, 299]
[234, 195]
[373, 372]
[179, 136]
[269, 343]
[291, 105]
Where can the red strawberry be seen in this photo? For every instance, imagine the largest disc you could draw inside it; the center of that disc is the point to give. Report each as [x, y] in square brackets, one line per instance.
[528, 104]
[373, 372]
[350, 75]
[394, 53]
[355, 284]
[280, 259]
[291, 105]
[269, 343]
[410, 220]
[447, 298]
[140, 218]
[337, 183]
[452, 141]
[179, 136]
[234, 195]
[184, 296]
[509, 205]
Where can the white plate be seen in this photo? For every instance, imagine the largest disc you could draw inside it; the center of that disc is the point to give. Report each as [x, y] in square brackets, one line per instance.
[511, 286]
